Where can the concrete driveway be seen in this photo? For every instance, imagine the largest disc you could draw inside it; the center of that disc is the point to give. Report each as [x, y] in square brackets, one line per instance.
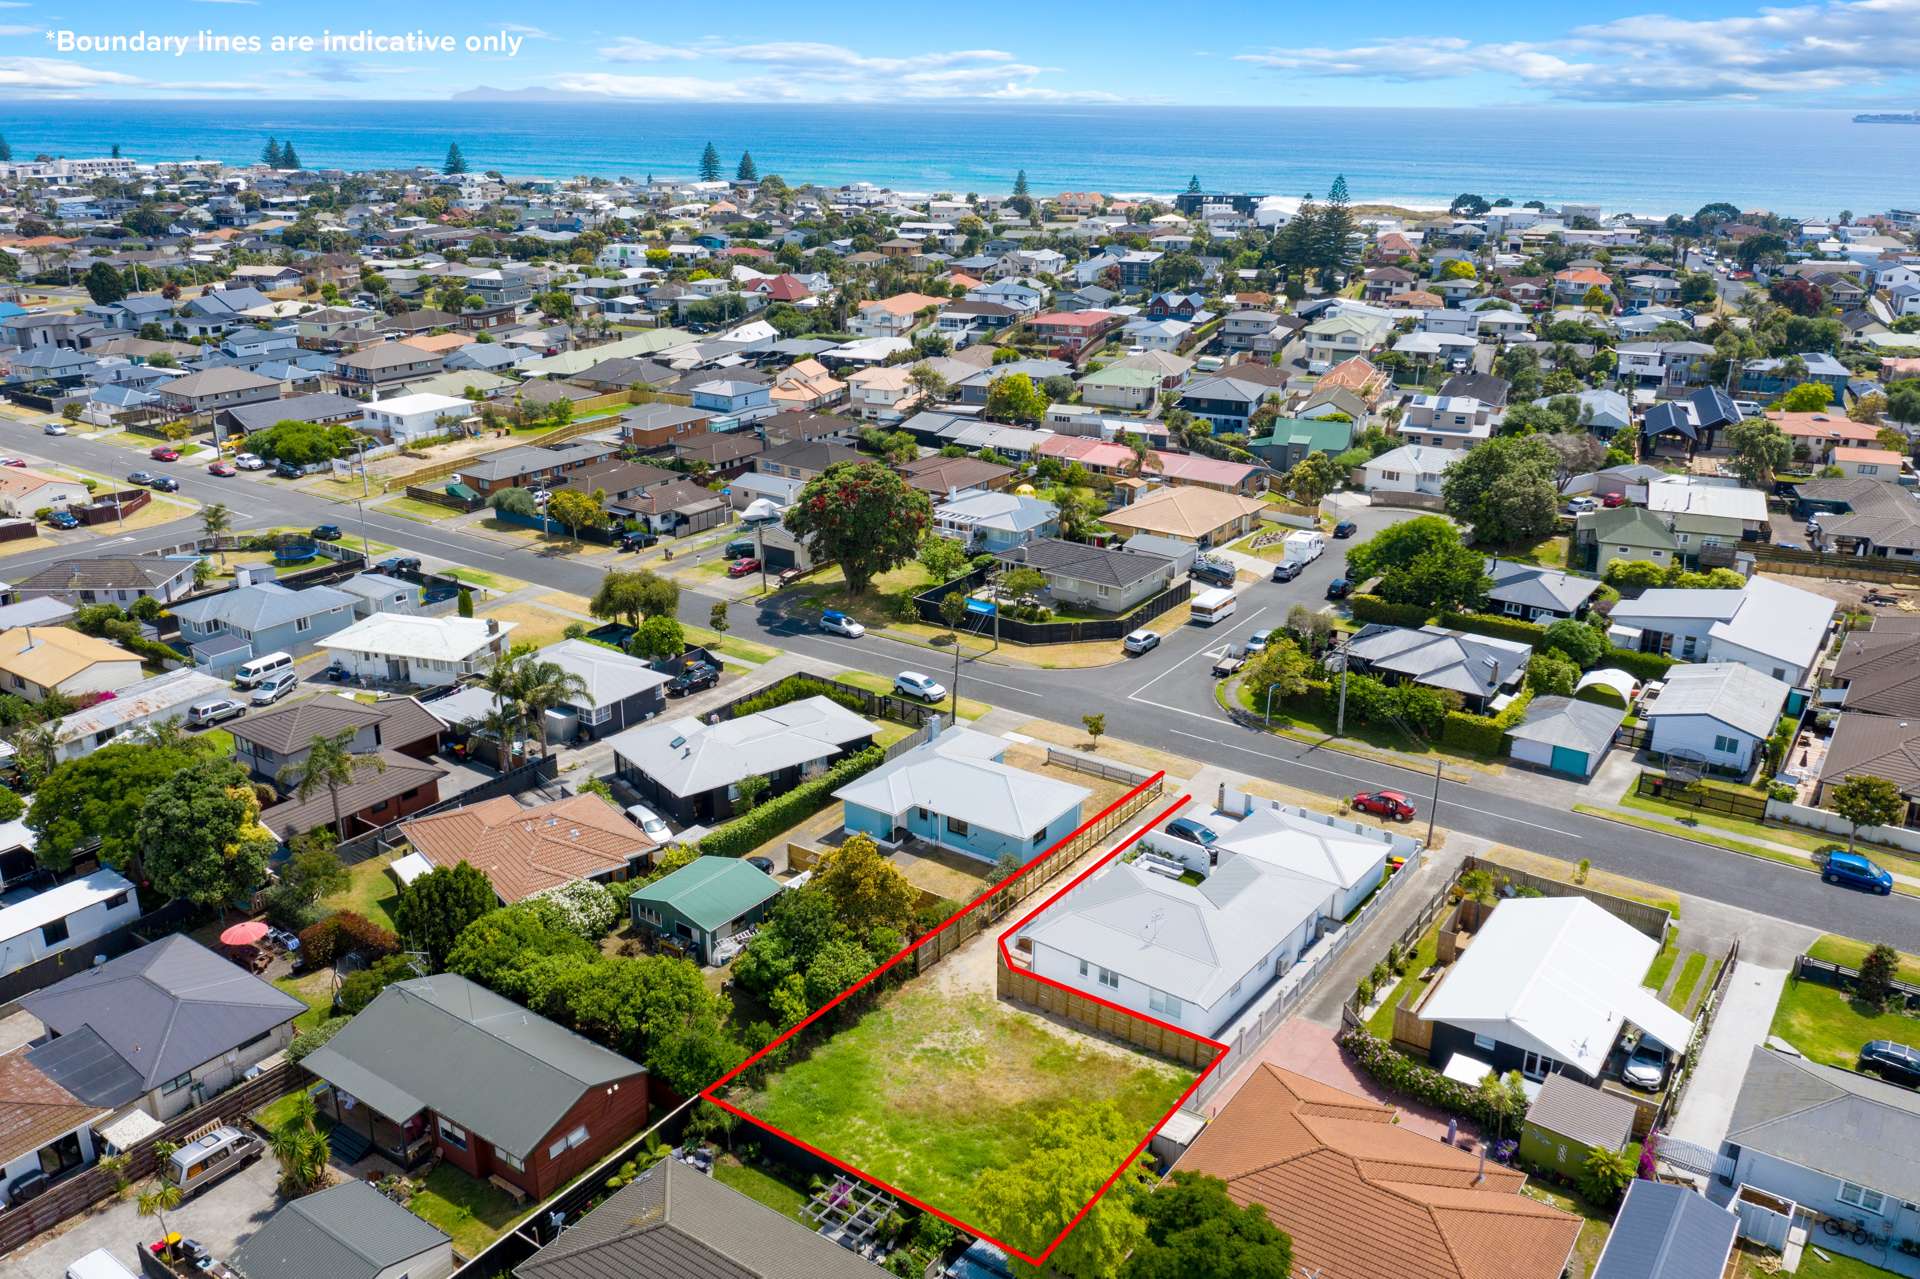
[1738, 1028]
[220, 1217]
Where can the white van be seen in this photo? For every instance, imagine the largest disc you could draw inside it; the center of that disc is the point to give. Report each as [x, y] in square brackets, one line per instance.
[1304, 546]
[98, 1264]
[251, 673]
[1209, 607]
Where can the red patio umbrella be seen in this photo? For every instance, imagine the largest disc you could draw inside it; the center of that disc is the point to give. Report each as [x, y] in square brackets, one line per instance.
[244, 934]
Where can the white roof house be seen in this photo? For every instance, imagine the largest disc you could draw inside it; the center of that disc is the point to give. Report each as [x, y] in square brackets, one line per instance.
[686, 757]
[611, 677]
[1777, 629]
[1350, 860]
[1556, 977]
[1727, 693]
[89, 906]
[1411, 468]
[420, 650]
[1688, 495]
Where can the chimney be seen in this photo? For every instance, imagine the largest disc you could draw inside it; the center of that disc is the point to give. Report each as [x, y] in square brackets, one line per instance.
[493, 626]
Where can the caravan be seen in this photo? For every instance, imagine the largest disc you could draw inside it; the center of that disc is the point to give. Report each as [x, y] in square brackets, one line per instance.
[1209, 607]
[1303, 546]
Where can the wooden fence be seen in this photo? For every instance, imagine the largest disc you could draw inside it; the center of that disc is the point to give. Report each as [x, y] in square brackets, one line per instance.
[991, 909]
[1857, 568]
[1102, 1019]
[76, 1194]
[1642, 917]
[1708, 799]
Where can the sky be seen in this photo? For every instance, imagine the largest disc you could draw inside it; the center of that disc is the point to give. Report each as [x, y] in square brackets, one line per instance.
[1603, 53]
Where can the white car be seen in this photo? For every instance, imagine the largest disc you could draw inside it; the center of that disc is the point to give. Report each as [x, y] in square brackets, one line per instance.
[650, 823]
[541, 497]
[53, 428]
[924, 687]
[834, 622]
[1258, 641]
[1140, 642]
[249, 461]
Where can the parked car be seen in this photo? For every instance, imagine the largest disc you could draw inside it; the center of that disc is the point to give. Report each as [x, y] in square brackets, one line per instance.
[651, 824]
[1581, 505]
[1141, 641]
[208, 713]
[834, 622]
[1339, 588]
[924, 687]
[222, 469]
[249, 461]
[286, 470]
[1612, 500]
[274, 687]
[1646, 1067]
[1851, 870]
[762, 864]
[398, 564]
[1385, 803]
[324, 532]
[141, 478]
[62, 519]
[1345, 529]
[1258, 641]
[1188, 828]
[740, 548]
[637, 540]
[743, 568]
[1894, 1062]
[54, 428]
[541, 497]
[697, 676]
[164, 453]
[1213, 572]
[1286, 571]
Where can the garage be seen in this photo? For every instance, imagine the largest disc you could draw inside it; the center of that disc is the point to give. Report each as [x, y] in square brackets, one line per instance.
[1564, 736]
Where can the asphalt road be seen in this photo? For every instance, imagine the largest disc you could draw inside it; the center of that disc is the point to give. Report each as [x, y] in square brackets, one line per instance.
[1164, 698]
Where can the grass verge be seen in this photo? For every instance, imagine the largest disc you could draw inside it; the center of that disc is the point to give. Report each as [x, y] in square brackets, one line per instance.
[1828, 1025]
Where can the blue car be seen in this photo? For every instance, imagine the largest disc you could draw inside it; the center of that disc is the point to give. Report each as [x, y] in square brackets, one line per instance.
[1851, 870]
[1187, 828]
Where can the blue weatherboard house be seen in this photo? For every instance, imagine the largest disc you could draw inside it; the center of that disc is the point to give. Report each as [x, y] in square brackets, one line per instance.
[954, 791]
[224, 630]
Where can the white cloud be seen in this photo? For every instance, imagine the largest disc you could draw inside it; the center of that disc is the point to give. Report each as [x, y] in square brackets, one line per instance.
[52, 75]
[526, 32]
[20, 29]
[653, 88]
[1803, 52]
[634, 49]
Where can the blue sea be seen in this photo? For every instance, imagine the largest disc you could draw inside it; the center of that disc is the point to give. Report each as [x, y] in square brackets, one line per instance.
[1810, 163]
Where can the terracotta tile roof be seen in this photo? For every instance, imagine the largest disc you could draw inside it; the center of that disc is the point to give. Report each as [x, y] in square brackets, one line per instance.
[1356, 374]
[1364, 1198]
[33, 1109]
[525, 850]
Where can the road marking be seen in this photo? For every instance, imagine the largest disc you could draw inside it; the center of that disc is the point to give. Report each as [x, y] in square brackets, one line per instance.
[1024, 692]
[1134, 696]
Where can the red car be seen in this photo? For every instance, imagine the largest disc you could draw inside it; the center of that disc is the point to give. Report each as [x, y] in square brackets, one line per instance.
[164, 453]
[222, 469]
[16, 461]
[1390, 804]
[740, 568]
[1612, 500]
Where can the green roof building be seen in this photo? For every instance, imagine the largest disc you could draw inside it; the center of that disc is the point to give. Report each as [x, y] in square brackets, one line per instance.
[1292, 438]
[703, 904]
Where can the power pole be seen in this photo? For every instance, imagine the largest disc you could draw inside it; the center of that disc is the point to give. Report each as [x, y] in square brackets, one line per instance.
[1340, 717]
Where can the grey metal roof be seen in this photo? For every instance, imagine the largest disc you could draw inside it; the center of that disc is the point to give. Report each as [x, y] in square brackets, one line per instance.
[1478, 665]
[1667, 1232]
[264, 605]
[1531, 586]
[298, 408]
[166, 1008]
[1834, 1121]
[446, 1044]
[1735, 695]
[1115, 567]
[690, 758]
[610, 676]
[348, 1231]
[1582, 1113]
[1576, 725]
[671, 1222]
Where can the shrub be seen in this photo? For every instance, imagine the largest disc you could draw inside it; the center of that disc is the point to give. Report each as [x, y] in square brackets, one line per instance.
[1642, 666]
[1493, 624]
[583, 907]
[744, 834]
[796, 688]
[1363, 993]
[308, 1040]
[345, 933]
[1417, 1080]
[1371, 608]
[363, 987]
[1476, 733]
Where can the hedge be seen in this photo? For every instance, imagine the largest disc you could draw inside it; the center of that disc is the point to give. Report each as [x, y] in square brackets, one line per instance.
[1371, 608]
[1397, 1072]
[744, 834]
[1642, 666]
[1508, 628]
[344, 933]
[795, 688]
[1485, 734]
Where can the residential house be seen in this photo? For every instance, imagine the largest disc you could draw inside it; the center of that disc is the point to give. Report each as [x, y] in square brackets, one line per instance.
[63, 917]
[691, 771]
[36, 662]
[405, 418]
[531, 465]
[441, 1066]
[1572, 286]
[1663, 369]
[956, 791]
[672, 1217]
[1830, 1141]
[621, 691]
[271, 742]
[1318, 1160]
[1339, 337]
[733, 399]
[1877, 742]
[1664, 1231]
[45, 1129]
[796, 426]
[1482, 669]
[214, 390]
[1623, 533]
[160, 1029]
[653, 426]
[1708, 513]
[1816, 436]
[1568, 1120]
[1449, 422]
[678, 507]
[983, 520]
[1227, 402]
[1073, 333]
[1865, 515]
[947, 476]
[347, 1231]
[381, 370]
[1719, 714]
[400, 648]
[1777, 629]
[386, 787]
[724, 454]
[618, 481]
[23, 491]
[377, 593]
[1117, 386]
[528, 850]
[1538, 594]
[1566, 735]
[1290, 439]
[1204, 517]
[702, 905]
[1548, 986]
[804, 459]
[1873, 463]
[1104, 579]
[156, 700]
[1603, 412]
[110, 579]
[884, 393]
[1692, 423]
[1411, 468]
[225, 629]
[892, 317]
[1771, 377]
[1205, 472]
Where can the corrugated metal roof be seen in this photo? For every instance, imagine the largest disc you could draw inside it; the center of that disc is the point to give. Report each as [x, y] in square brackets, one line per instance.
[348, 1231]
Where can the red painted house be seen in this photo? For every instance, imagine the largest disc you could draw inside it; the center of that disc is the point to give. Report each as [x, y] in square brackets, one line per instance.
[1073, 331]
[441, 1064]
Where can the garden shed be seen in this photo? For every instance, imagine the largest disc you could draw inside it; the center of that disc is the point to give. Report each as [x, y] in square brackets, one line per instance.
[1569, 1120]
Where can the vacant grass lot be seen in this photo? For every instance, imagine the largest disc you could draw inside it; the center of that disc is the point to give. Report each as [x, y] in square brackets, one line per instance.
[927, 1091]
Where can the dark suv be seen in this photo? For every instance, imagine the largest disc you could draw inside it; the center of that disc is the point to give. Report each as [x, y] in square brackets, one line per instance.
[1892, 1061]
[697, 676]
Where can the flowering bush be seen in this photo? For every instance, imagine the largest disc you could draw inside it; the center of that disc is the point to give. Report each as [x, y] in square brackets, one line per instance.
[582, 907]
[345, 933]
[1402, 1074]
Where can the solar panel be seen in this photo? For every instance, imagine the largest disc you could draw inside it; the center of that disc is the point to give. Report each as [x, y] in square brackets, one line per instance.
[88, 1067]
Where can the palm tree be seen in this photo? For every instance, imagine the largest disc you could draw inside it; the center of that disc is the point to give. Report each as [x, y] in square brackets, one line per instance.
[162, 1198]
[547, 684]
[503, 680]
[329, 765]
[300, 1147]
[169, 732]
[216, 520]
[34, 748]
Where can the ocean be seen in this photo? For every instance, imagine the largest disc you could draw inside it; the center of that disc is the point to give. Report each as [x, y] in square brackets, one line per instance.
[1809, 163]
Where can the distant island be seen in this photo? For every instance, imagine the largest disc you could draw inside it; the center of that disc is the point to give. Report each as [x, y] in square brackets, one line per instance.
[1887, 117]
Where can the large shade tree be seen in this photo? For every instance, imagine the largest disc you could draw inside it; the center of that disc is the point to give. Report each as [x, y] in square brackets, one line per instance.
[862, 516]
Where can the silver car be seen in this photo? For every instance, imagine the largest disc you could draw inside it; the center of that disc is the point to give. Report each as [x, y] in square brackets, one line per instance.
[274, 687]
[208, 713]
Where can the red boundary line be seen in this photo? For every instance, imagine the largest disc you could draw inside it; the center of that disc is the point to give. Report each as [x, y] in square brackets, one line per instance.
[712, 1091]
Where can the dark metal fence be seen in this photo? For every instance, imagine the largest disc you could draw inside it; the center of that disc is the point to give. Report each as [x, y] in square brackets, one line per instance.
[1013, 630]
[1708, 799]
[1840, 977]
[57, 967]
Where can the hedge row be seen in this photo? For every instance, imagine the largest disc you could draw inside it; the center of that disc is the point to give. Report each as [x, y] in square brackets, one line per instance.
[1642, 666]
[744, 834]
[1371, 608]
[345, 933]
[1400, 1073]
[1485, 734]
[1508, 628]
[796, 688]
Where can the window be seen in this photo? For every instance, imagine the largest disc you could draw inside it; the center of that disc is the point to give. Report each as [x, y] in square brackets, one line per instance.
[956, 827]
[453, 1134]
[578, 1137]
[1538, 1065]
[1109, 978]
[502, 1156]
[54, 932]
[301, 625]
[1862, 1198]
[1165, 1004]
[116, 901]
[1725, 745]
[1484, 1042]
[177, 1082]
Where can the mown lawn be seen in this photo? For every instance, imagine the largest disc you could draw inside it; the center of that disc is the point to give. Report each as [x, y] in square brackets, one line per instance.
[1752, 1262]
[1410, 986]
[315, 990]
[755, 1184]
[370, 891]
[1829, 1025]
[472, 1213]
[927, 1091]
[1595, 1225]
[1849, 953]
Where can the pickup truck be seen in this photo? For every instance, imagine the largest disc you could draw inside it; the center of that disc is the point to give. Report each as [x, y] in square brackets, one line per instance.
[1227, 664]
